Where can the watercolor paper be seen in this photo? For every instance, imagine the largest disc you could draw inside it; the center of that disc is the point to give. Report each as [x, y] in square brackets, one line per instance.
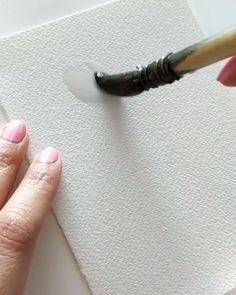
[147, 201]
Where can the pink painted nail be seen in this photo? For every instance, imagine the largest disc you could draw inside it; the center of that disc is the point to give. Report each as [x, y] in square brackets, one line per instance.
[48, 155]
[14, 131]
[227, 76]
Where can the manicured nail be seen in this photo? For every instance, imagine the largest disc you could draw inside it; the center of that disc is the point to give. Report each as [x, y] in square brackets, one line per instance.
[14, 131]
[48, 155]
[227, 75]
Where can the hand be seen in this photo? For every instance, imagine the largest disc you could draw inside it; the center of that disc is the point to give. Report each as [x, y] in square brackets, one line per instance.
[227, 75]
[22, 215]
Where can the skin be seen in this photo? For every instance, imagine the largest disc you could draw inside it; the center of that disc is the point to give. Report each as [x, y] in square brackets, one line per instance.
[227, 75]
[22, 214]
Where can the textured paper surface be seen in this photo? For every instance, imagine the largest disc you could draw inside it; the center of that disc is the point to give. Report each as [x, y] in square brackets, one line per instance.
[147, 200]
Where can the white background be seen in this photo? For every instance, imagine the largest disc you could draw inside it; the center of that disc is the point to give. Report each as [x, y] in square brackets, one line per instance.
[18, 15]
[53, 266]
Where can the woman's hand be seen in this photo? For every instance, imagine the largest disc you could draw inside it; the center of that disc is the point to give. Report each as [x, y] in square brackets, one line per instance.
[22, 215]
[227, 75]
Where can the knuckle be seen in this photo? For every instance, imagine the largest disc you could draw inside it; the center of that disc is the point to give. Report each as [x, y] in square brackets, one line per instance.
[6, 156]
[42, 179]
[15, 232]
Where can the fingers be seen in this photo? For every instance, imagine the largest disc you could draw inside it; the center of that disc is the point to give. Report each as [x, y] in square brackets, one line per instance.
[30, 203]
[22, 216]
[13, 146]
[227, 75]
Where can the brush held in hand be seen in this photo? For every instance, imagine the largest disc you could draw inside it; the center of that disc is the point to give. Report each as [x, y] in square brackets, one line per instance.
[172, 67]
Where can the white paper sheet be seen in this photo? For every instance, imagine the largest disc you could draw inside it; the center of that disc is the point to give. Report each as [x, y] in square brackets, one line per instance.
[147, 200]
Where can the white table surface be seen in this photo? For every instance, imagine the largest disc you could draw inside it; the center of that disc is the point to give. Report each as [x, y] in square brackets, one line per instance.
[54, 270]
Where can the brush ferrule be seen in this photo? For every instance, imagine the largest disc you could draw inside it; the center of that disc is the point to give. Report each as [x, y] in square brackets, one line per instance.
[158, 73]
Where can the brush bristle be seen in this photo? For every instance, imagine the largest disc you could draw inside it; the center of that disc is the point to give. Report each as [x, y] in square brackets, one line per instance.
[125, 84]
[155, 74]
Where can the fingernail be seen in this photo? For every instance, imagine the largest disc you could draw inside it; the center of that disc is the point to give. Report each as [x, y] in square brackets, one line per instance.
[227, 75]
[48, 155]
[14, 131]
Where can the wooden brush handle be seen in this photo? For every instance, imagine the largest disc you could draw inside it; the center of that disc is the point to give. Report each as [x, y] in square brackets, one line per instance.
[204, 53]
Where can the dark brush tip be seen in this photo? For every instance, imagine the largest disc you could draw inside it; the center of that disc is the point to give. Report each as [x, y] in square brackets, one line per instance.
[125, 84]
[133, 83]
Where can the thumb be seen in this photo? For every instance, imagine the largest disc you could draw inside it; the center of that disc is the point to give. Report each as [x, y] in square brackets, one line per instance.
[227, 75]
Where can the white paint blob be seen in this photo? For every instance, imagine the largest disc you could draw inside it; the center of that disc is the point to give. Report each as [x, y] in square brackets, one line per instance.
[82, 84]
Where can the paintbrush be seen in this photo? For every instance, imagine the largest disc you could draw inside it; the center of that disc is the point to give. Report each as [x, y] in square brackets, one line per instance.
[170, 68]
